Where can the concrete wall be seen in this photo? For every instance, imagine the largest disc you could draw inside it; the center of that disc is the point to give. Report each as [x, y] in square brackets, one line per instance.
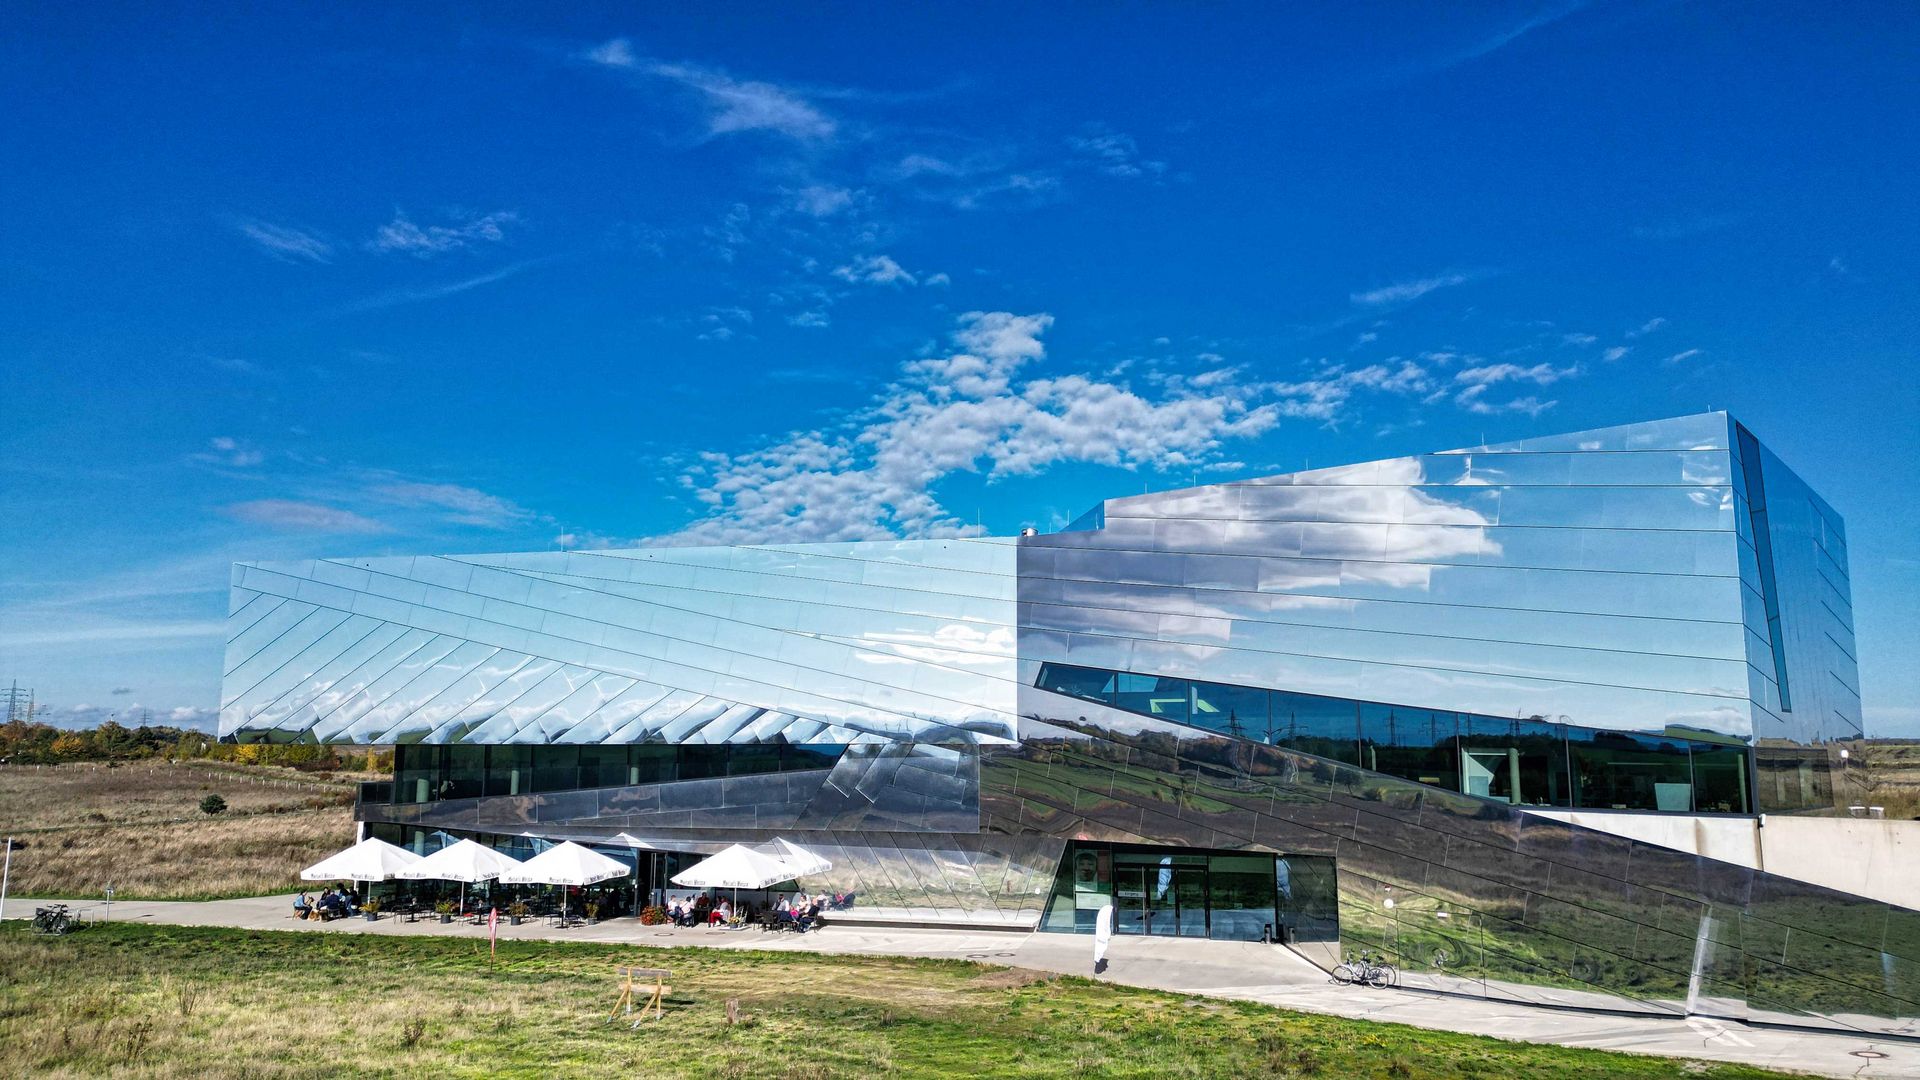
[1873, 857]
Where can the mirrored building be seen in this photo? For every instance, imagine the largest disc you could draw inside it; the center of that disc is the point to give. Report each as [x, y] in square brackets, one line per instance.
[1333, 709]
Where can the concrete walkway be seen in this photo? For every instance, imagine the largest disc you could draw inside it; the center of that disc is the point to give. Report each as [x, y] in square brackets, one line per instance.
[1221, 969]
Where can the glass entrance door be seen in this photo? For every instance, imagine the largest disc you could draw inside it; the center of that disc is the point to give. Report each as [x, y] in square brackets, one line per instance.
[1167, 900]
[1132, 908]
[1188, 901]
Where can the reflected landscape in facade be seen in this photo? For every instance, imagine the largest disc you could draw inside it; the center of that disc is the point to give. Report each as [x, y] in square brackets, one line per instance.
[1314, 708]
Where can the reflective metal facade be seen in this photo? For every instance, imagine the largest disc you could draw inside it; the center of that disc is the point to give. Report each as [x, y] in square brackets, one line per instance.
[1657, 578]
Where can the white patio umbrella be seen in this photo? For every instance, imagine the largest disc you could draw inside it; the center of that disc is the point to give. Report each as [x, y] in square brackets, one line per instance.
[636, 845]
[372, 859]
[464, 862]
[738, 867]
[565, 864]
[801, 860]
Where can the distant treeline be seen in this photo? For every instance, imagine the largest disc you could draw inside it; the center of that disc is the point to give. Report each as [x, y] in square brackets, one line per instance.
[23, 743]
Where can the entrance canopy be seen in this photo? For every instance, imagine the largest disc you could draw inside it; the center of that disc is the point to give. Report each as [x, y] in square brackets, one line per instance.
[466, 861]
[371, 859]
[565, 864]
[738, 867]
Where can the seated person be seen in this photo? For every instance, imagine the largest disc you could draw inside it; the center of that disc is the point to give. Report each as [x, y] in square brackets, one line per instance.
[302, 905]
[720, 914]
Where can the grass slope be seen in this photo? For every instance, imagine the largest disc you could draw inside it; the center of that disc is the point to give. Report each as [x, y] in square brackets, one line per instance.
[78, 828]
[155, 1001]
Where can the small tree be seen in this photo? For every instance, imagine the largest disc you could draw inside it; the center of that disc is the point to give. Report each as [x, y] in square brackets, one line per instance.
[213, 804]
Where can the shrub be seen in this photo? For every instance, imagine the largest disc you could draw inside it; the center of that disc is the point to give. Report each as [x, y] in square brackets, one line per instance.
[653, 915]
[213, 804]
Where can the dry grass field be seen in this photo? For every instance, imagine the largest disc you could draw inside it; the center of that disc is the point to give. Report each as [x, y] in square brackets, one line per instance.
[138, 827]
[1893, 769]
[162, 1002]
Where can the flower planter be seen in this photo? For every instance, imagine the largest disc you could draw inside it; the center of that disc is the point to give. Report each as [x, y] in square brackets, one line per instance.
[372, 916]
[445, 919]
[513, 920]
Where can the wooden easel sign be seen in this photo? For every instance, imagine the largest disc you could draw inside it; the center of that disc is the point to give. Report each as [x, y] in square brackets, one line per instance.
[635, 981]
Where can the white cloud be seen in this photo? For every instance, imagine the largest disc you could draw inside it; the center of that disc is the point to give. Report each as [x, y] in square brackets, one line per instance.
[875, 270]
[397, 297]
[1615, 353]
[1540, 374]
[1648, 327]
[964, 412]
[615, 53]
[814, 320]
[231, 452]
[302, 516]
[1405, 291]
[1115, 154]
[734, 105]
[462, 505]
[403, 236]
[724, 323]
[285, 242]
[822, 200]
[1473, 399]
[1682, 356]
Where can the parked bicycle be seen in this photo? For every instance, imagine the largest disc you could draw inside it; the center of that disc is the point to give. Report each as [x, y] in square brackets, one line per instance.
[54, 919]
[1366, 969]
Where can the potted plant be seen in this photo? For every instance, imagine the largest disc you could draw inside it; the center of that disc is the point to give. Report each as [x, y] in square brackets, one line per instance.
[371, 909]
[593, 911]
[653, 915]
[445, 910]
[517, 911]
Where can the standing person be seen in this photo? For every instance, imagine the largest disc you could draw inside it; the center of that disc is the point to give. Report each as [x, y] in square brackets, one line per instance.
[1102, 933]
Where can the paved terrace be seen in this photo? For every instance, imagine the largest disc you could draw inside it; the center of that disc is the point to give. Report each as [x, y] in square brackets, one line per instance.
[1220, 969]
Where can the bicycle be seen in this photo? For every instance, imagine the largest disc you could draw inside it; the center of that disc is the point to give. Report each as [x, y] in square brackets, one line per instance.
[1366, 969]
[54, 919]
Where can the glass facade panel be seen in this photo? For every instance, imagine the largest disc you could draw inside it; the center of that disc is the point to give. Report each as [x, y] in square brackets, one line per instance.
[431, 773]
[1617, 771]
[1321, 703]
[1522, 762]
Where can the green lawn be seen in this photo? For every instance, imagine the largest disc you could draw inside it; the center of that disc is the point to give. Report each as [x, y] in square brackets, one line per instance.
[141, 1001]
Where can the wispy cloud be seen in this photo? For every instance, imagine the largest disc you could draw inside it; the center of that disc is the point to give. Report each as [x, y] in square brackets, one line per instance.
[1683, 356]
[875, 270]
[733, 105]
[1489, 374]
[398, 297]
[284, 242]
[1115, 153]
[461, 505]
[1402, 292]
[230, 452]
[299, 516]
[1686, 228]
[402, 236]
[1490, 45]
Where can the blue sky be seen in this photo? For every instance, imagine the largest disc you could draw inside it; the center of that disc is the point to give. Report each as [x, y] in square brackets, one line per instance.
[338, 281]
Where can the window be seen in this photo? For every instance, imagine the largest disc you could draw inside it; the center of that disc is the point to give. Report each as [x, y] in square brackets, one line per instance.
[1088, 683]
[1618, 771]
[1238, 711]
[1524, 761]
